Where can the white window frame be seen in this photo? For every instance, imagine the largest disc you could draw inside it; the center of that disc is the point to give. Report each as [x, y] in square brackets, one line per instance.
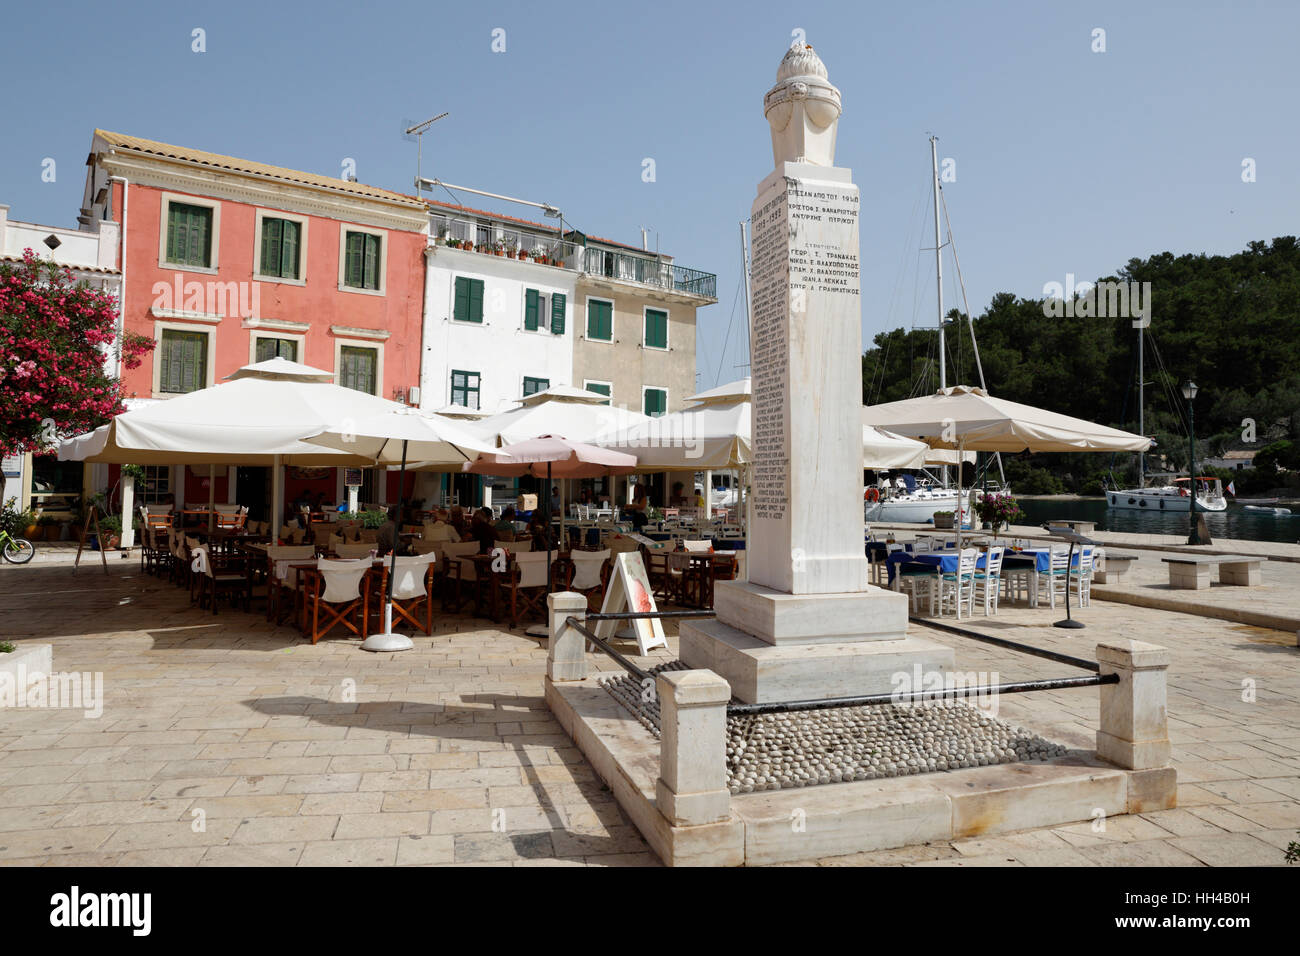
[612, 319]
[668, 327]
[164, 215]
[210, 373]
[256, 334]
[339, 343]
[657, 388]
[344, 229]
[304, 223]
[596, 381]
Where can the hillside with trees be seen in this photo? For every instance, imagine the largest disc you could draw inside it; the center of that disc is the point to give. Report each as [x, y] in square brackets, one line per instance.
[1229, 323]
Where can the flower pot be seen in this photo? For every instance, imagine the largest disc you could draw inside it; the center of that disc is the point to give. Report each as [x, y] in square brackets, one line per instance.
[943, 521]
[31, 531]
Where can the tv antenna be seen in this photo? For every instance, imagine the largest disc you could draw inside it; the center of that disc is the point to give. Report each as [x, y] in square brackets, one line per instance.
[419, 129]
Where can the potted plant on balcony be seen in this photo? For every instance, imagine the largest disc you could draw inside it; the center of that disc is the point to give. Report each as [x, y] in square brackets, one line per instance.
[539, 254]
[467, 245]
[500, 248]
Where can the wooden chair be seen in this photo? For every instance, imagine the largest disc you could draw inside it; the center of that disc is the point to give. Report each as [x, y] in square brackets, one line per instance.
[526, 582]
[460, 578]
[336, 593]
[958, 588]
[413, 585]
[1055, 580]
[217, 575]
[1081, 577]
[588, 574]
[988, 582]
[282, 579]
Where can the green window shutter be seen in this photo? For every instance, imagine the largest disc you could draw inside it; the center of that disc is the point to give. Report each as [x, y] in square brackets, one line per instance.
[558, 302]
[656, 402]
[183, 362]
[460, 308]
[656, 329]
[600, 321]
[352, 269]
[272, 230]
[288, 258]
[599, 389]
[357, 367]
[189, 234]
[476, 300]
[266, 349]
[531, 305]
[371, 277]
[534, 385]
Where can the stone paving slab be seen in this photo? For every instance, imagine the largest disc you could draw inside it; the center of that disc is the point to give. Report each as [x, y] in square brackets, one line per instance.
[447, 755]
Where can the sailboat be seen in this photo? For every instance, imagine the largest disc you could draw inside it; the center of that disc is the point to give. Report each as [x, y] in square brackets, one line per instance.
[915, 500]
[1184, 494]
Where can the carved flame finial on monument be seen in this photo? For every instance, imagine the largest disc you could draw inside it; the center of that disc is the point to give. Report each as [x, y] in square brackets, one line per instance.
[803, 110]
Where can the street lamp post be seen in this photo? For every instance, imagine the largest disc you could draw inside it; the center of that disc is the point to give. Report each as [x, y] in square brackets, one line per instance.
[1189, 393]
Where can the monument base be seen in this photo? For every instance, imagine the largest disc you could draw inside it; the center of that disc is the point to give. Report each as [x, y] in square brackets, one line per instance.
[873, 614]
[760, 673]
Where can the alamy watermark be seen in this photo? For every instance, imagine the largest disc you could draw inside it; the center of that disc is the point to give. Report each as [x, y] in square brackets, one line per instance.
[1098, 300]
[71, 690]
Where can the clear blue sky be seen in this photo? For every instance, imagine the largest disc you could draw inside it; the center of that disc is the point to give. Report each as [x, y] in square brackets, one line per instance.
[1067, 160]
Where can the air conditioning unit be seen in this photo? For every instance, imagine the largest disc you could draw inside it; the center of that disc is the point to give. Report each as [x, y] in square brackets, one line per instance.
[413, 395]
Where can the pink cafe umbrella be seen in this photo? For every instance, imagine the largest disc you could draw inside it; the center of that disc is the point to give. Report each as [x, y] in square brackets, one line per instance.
[551, 457]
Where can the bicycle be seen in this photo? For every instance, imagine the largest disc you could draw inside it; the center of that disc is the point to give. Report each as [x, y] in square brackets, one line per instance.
[16, 550]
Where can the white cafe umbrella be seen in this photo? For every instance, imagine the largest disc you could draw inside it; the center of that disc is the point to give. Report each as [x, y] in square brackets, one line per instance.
[969, 419]
[259, 416]
[388, 438]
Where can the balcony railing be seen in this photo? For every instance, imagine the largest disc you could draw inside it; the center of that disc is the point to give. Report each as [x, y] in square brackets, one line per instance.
[550, 248]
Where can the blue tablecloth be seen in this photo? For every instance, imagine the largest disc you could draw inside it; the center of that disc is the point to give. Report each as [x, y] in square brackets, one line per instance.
[946, 562]
[1042, 558]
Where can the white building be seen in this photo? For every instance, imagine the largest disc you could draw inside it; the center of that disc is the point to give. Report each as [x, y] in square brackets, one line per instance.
[44, 484]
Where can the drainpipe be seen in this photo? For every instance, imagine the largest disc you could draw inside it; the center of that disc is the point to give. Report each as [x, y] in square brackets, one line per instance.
[121, 298]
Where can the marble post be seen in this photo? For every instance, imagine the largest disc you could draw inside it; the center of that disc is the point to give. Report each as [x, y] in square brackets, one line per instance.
[692, 784]
[566, 657]
[1134, 730]
[806, 623]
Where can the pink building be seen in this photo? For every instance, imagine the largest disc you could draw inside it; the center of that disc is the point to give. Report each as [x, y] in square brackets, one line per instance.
[227, 261]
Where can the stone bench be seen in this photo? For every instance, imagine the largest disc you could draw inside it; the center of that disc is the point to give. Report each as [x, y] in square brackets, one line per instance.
[1113, 567]
[1192, 571]
[1078, 527]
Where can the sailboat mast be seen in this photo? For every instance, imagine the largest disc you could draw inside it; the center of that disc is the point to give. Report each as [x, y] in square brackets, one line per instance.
[938, 262]
[1142, 458]
[938, 279]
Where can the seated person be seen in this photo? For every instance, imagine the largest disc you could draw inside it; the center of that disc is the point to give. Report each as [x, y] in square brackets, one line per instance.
[481, 530]
[439, 530]
[505, 525]
[638, 507]
[584, 496]
[387, 539]
[458, 523]
[678, 498]
[537, 531]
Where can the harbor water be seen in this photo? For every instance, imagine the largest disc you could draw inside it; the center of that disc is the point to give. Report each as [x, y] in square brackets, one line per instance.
[1236, 522]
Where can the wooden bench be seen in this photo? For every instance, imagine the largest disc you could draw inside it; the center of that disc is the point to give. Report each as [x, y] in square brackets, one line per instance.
[1112, 567]
[1192, 571]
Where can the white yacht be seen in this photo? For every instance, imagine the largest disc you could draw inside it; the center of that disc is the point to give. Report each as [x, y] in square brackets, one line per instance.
[915, 506]
[1175, 497]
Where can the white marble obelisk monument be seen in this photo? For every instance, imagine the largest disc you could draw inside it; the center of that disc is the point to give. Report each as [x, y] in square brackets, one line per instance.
[806, 624]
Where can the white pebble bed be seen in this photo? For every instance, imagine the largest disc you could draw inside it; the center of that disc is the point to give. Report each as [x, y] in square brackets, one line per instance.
[841, 744]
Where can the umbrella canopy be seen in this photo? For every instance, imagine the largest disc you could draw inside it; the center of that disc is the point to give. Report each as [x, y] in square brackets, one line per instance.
[970, 419]
[552, 457]
[575, 413]
[740, 390]
[714, 435]
[259, 416]
[882, 449]
[401, 435]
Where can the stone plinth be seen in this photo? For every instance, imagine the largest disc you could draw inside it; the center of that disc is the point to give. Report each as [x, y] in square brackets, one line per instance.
[692, 785]
[1134, 730]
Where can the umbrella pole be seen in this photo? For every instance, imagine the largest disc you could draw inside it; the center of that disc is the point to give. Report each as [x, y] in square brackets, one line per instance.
[212, 491]
[545, 632]
[387, 640]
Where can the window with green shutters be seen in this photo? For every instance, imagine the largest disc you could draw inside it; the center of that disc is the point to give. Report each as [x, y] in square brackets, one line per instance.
[532, 304]
[276, 348]
[362, 260]
[189, 235]
[656, 329]
[182, 361]
[464, 388]
[558, 302]
[600, 320]
[534, 385]
[281, 240]
[358, 368]
[655, 401]
[600, 388]
[468, 306]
